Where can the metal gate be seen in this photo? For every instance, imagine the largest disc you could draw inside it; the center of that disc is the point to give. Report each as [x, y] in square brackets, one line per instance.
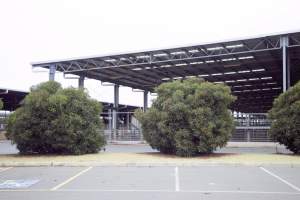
[128, 127]
[251, 127]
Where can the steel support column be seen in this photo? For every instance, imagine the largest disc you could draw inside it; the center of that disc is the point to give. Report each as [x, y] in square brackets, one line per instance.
[145, 100]
[284, 42]
[52, 70]
[81, 82]
[127, 120]
[115, 110]
[248, 128]
[110, 124]
[288, 70]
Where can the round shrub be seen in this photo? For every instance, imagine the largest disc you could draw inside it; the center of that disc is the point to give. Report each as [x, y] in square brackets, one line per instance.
[53, 120]
[188, 117]
[285, 116]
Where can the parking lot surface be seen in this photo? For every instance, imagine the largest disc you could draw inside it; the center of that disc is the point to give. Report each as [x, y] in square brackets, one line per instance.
[202, 182]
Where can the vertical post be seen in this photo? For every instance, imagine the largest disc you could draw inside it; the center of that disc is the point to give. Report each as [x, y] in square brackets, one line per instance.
[248, 128]
[110, 124]
[144, 109]
[145, 100]
[81, 81]
[52, 70]
[115, 110]
[288, 70]
[284, 42]
[127, 121]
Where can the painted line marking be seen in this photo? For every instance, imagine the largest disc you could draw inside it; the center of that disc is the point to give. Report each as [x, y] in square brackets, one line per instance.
[177, 188]
[281, 179]
[71, 179]
[166, 191]
[5, 169]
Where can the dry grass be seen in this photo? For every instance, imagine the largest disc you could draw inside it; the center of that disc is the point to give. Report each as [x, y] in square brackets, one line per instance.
[147, 159]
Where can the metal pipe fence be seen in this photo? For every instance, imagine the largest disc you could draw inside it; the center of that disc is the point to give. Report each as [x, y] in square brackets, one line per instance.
[251, 127]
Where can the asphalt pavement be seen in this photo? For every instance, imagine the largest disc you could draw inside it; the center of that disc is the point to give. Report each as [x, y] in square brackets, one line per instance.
[202, 182]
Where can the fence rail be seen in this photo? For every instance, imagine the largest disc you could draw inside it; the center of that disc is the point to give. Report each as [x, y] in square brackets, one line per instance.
[250, 134]
[249, 128]
[252, 127]
[123, 135]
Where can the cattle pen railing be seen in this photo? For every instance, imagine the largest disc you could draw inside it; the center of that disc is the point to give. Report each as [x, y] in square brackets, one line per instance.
[251, 127]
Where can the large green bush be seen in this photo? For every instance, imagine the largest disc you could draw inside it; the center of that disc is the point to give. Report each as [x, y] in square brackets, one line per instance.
[188, 117]
[55, 120]
[285, 114]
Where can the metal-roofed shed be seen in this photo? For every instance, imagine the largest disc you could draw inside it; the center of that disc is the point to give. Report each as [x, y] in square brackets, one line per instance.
[257, 69]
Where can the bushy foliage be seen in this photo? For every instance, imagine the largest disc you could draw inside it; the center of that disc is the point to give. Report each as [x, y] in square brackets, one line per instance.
[1, 104]
[285, 114]
[55, 120]
[188, 117]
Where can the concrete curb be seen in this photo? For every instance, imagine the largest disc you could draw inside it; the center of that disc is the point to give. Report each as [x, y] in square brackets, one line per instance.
[253, 144]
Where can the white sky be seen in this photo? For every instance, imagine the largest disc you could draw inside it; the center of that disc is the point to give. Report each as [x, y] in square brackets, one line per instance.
[36, 30]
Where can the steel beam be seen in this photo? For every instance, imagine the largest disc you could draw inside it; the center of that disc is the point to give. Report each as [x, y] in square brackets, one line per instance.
[168, 60]
[52, 70]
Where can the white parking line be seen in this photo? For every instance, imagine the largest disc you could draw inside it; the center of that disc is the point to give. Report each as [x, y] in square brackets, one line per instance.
[70, 179]
[177, 188]
[281, 179]
[5, 169]
[239, 192]
[155, 191]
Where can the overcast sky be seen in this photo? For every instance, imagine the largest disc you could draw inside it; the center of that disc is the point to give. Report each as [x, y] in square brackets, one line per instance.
[36, 30]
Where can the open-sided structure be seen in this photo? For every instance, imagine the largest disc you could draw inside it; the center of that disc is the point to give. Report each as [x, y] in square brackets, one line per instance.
[11, 98]
[257, 69]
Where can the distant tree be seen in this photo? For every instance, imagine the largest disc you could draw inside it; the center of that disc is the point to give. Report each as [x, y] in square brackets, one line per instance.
[285, 116]
[1, 104]
[188, 117]
[55, 120]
